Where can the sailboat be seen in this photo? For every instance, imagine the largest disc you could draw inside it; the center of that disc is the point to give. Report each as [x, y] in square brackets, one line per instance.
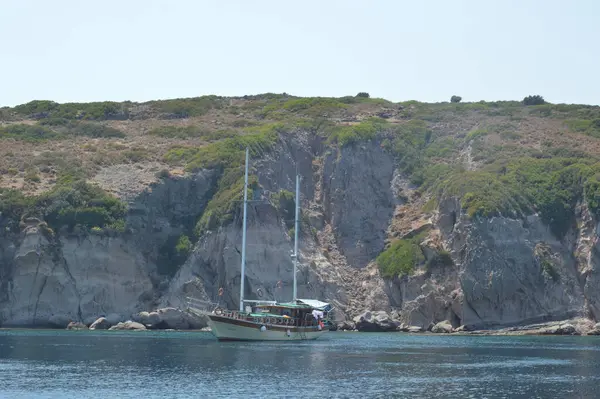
[258, 320]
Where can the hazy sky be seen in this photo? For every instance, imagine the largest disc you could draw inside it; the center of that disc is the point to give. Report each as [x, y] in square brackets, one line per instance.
[428, 50]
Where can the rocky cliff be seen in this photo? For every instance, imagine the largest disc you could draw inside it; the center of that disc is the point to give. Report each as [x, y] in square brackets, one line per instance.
[475, 269]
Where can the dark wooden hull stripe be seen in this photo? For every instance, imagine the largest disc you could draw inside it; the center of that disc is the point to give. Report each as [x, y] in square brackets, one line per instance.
[275, 327]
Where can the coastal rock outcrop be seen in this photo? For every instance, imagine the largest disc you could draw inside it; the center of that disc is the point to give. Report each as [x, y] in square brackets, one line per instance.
[595, 330]
[443, 327]
[378, 321]
[100, 324]
[128, 325]
[74, 325]
[170, 318]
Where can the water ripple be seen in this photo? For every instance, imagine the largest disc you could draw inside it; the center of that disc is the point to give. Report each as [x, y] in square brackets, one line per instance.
[49, 364]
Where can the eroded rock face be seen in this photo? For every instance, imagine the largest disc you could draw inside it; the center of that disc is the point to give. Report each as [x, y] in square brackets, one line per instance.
[50, 280]
[503, 271]
[358, 199]
[73, 279]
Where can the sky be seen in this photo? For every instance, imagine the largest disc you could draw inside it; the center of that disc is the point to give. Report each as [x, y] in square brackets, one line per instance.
[427, 50]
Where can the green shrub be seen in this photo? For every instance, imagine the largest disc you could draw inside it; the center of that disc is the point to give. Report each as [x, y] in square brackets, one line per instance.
[135, 155]
[54, 122]
[36, 107]
[118, 226]
[163, 174]
[92, 111]
[227, 156]
[32, 175]
[551, 187]
[243, 123]
[401, 257]
[229, 152]
[476, 133]
[182, 132]
[410, 139]
[534, 100]
[363, 94]
[309, 106]
[184, 245]
[60, 130]
[94, 130]
[350, 134]
[226, 201]
[585, 126]
[549, 269]
[187, 107]
[455, 99]
[79, 203]
[69, 203]
[13, 203]
[186, 132]
[32, 133]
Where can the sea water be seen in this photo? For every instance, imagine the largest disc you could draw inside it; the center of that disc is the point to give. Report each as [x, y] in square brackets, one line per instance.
[160, 364]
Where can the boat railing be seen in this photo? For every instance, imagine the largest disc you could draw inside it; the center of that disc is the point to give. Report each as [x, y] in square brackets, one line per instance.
[200, 305]
[307, 321]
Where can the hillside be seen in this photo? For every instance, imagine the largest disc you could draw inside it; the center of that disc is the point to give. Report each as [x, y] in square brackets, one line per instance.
[479, 213]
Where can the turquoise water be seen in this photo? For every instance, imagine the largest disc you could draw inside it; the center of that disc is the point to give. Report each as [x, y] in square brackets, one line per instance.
[57, 364]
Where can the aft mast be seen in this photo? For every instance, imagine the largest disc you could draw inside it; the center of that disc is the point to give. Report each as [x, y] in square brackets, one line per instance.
[243, 271]
[295, 255]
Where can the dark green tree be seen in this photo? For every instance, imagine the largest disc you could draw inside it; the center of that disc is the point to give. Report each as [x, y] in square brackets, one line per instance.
[534, 100]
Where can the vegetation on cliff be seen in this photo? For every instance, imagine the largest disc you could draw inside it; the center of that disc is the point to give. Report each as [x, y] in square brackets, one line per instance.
[500, 158]
[401, 257]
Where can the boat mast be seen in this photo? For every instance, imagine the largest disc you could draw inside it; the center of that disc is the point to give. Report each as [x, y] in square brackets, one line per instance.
[295, 256]
[243, 271]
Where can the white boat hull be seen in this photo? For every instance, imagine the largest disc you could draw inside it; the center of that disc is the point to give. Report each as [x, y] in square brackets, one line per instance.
[226, 329]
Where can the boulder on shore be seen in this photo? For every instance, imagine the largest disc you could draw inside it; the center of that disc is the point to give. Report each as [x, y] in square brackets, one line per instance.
[100, 324]
[375, 322]
[346, 325]
[595, 330]
[170, 318]
[443, 327]
[128, 325]
[559, 329]
[75, 325]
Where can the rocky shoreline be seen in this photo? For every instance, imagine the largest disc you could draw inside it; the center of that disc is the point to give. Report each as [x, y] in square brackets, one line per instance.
[381, 321]
[159, 319]
[174, 319]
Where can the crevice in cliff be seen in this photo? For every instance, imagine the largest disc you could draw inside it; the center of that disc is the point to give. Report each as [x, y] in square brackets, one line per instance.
[38, 299]
[37, 270]
[59, 259]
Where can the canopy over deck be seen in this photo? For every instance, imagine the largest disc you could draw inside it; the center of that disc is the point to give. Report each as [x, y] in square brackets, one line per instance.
[314, 303]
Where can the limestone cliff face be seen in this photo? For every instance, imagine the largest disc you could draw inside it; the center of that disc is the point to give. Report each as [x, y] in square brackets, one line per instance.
[73, 278]
[333, 238]
[504, 271]
[49, 279]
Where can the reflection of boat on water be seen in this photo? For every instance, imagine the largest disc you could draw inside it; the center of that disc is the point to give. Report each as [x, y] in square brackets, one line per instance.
[256, 320]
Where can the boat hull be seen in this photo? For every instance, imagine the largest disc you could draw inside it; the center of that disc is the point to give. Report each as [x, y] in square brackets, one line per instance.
[228, 329]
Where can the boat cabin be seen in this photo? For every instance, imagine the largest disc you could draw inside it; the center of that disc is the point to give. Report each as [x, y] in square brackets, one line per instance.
[299, 313]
